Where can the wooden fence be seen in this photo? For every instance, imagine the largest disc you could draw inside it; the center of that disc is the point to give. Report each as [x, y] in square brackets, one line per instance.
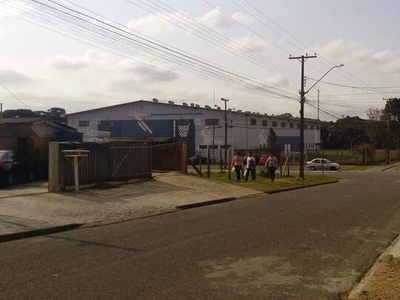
[119, 160]
[106, 162]
[170, 157]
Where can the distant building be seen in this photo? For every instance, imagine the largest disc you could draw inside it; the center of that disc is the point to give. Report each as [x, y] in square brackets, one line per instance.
[197, 126]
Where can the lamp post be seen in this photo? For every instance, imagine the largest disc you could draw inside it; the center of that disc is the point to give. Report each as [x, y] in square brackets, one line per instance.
[226, 133]
[302, 100]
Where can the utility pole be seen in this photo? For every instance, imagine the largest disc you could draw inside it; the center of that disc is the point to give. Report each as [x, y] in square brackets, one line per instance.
[226, 132]
[318, 105]
[1, 110]
[388, 112]
[302, 59]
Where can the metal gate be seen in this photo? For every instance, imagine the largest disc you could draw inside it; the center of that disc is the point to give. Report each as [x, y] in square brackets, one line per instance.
[127, 160]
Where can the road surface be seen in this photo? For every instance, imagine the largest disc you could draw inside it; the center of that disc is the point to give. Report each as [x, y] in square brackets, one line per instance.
[307, 244]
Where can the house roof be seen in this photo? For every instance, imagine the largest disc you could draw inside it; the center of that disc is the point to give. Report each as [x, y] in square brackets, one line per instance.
[19, 120]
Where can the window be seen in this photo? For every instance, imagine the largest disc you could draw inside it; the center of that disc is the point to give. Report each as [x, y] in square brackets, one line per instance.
[253, 122]
[291, 125]
[84, 123]
[212, 121]
[264, 123]
[317, 127]
[298, 126]
[274, 123]
[283, 124]
[305, 126]
[311, 126]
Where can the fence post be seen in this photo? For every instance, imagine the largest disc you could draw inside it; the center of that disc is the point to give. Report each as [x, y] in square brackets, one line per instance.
[208, 162]
[184, 158]
[54, 168]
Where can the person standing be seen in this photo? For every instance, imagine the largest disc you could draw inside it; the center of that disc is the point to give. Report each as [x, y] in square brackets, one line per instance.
[271, 164]
[250, 167]
[237, 162]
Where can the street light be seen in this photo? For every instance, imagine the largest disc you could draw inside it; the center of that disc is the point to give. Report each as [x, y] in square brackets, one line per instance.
[302, 101]
[338, 66]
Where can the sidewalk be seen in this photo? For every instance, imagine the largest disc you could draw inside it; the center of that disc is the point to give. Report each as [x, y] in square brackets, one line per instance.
[31, 208]
[382, 281]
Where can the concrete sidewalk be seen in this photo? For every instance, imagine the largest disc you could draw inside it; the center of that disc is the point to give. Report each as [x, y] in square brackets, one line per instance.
[31, 208]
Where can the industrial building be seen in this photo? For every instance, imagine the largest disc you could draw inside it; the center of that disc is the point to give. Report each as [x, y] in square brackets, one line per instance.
[198, 126]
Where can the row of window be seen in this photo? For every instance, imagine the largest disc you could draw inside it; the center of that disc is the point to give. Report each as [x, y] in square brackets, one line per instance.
[253, 122]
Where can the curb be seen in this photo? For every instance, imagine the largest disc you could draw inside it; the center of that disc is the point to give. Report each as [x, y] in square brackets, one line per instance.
[205, 203]
[391, 167]
[37, 232]
[360, 287]
[24, 195]
[300, 187]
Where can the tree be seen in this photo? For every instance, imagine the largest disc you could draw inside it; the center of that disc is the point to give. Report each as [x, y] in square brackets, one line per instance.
[56, 114]
[17, 113]
[375, 114]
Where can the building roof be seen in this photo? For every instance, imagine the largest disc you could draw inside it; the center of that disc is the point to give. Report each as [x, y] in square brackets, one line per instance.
[191, 105]
[35, 123]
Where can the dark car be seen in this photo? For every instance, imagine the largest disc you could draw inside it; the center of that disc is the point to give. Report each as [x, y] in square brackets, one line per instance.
[8, 166]
[194, 160]
[14, 170]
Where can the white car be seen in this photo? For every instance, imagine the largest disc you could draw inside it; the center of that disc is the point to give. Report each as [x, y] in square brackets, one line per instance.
[322, 163]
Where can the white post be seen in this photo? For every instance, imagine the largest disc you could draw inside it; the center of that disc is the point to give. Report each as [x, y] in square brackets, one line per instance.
[76, 173]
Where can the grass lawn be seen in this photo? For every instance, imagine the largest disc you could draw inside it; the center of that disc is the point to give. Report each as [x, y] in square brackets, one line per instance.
[281, 183]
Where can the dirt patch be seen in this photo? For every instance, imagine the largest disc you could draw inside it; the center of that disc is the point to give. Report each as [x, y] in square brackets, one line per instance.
[384, 284]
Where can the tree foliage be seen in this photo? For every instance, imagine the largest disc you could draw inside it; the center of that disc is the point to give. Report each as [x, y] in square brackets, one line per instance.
[375, 114]
[54, 113]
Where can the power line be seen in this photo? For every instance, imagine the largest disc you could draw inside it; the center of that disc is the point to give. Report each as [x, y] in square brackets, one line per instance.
[211, 36]
[257, 85]
[15, 96]
[259, 11]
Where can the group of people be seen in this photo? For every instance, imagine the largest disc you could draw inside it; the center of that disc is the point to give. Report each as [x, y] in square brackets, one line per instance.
[248, 163]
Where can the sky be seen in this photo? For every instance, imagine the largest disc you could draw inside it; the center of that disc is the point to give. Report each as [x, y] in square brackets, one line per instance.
[199, 51]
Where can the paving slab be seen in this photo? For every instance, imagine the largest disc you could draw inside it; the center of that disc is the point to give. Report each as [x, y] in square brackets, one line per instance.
[24, 189]
[30, 207]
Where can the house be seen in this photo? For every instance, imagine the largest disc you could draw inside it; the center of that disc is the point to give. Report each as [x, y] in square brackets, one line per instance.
[29, 137]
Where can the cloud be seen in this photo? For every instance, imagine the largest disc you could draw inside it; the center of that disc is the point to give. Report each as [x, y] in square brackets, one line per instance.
[277, 80]
[242, 18]
[355, 55]
[251, 43]
[68, 63]
[15, 8]
[217, 20]
[154, 74]
[156, 25]
[141, 72]
[14, 77]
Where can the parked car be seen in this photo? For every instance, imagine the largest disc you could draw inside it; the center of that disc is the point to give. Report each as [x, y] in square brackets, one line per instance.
[263, 159]
[194, 160]
[8, 166]
[14, 170]
[8, 160]
[319, 163]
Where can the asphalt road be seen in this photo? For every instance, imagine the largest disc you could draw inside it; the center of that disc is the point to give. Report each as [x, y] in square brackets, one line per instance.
[307, 244]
